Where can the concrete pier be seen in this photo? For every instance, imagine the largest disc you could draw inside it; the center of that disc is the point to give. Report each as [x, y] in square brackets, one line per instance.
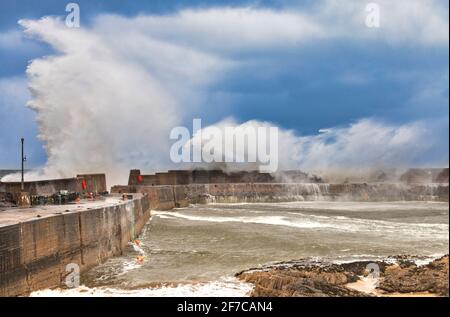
[36, 244]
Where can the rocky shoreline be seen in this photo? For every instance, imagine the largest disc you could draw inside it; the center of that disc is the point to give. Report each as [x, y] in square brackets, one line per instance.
[395, 276]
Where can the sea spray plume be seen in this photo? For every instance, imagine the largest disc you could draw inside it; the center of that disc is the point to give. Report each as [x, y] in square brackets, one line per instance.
[358, 149]
[103, 103]
[364, 143]
[234, 146]
[96, 110]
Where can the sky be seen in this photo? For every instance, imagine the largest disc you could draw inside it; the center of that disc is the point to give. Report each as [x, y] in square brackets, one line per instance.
[338, 89]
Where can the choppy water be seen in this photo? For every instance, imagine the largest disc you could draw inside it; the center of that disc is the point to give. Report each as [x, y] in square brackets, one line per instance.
[196, 250]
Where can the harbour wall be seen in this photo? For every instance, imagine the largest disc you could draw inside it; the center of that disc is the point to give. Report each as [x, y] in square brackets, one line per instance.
[34, 254]
[201, 176]
[171, 196]
[94, 183]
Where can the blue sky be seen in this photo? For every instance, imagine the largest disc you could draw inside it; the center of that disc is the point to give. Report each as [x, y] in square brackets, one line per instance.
[396, 76]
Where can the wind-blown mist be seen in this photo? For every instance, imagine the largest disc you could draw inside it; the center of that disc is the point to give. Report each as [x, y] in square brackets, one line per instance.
[109, 96]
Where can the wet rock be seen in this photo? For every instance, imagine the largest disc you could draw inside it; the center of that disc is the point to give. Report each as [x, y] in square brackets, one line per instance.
[302, 280]
[315, 279]
[432, 278]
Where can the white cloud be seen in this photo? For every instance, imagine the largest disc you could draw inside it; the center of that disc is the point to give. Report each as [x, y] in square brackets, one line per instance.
[402, 22]
[423, 21]
[229, 30]
[205, 34]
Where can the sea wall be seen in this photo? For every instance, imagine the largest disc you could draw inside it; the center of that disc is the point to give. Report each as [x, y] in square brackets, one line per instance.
[168, 197]
[201, 176]
[34, 253]
[95, 183]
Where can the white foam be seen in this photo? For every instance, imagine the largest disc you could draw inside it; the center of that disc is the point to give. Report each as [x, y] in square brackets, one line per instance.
[340, 223]
[137, 248]
[365, 284]
[362, 206]
[268, 220]
[427, 260]
[225, 287]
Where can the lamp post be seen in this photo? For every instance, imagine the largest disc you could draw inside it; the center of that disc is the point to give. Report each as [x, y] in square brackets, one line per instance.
[23, 198]
[22, 185]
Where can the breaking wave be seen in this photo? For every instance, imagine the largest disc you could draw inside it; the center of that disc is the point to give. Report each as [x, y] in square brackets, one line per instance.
[225, 287]
[337, 223]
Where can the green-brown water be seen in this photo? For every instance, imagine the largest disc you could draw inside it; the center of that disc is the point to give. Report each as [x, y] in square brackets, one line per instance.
[197, 250]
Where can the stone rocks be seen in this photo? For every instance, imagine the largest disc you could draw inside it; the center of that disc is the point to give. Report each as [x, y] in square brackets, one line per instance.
[442, 176]
[294, 283]
[409, 278]
[315, 279]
